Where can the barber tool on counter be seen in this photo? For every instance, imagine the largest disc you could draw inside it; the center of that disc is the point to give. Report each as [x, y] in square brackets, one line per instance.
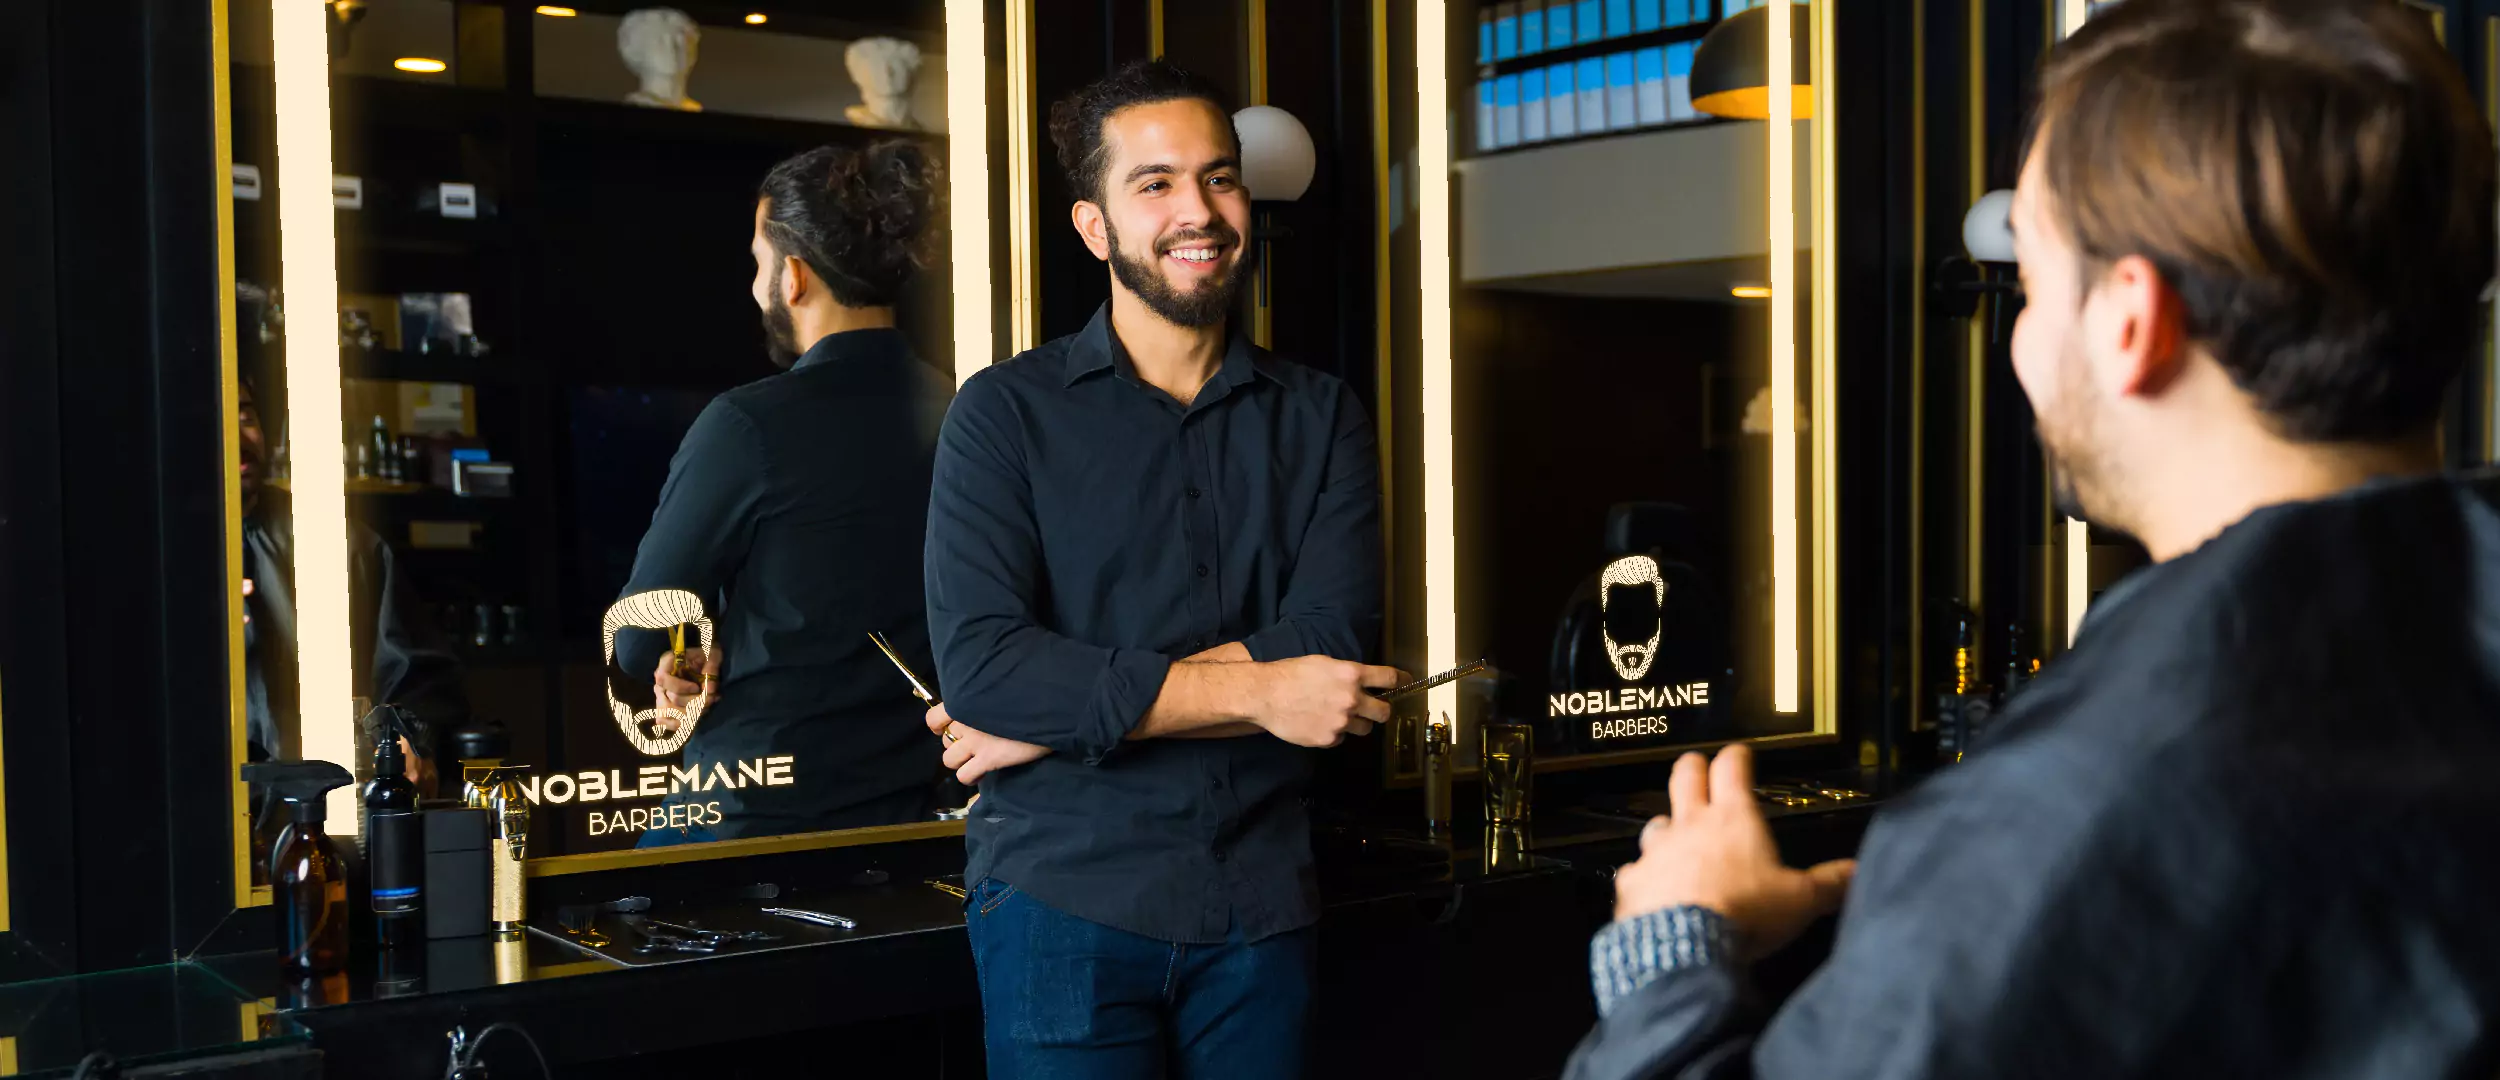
[307, 880]
[819, 918]
[1440, 732]
[394, 839]
[490, 785]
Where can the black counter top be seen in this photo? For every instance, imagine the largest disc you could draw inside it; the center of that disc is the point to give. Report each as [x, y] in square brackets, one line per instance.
[1413, 932]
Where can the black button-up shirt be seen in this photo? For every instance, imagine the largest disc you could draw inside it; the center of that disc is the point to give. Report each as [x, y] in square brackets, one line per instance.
[795, 507]
[1085, 531]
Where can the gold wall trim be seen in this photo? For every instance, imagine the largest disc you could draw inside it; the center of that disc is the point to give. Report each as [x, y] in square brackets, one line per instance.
[2490, 405]
[1154, 29]
[1254, 38]
[597, 861]
[1916, 675]
[230, 404]
[1024, 297]
[1975, 375]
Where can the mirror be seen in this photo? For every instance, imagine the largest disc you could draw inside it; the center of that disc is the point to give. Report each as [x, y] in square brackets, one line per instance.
[641, 323]
[1616, 472]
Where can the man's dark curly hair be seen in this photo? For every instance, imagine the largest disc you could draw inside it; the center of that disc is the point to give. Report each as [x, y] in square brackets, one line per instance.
[858, 217]
[1076, 121]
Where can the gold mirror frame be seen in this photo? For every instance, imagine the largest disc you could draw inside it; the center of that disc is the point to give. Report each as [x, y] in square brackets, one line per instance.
[1435, 409]
[308, 265]
[230, 494]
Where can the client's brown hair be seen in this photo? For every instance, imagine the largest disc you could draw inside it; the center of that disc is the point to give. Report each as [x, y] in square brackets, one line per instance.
[2312, 177]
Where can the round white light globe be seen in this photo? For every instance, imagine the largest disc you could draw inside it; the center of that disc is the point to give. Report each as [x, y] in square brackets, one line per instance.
[1988, 230]
[1277, 157]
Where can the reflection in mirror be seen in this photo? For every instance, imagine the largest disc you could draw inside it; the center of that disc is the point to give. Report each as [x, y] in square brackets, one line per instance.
[671, 313]
[1656, 580]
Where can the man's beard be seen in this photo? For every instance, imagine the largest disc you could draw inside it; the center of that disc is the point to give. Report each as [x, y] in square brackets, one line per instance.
[2076, 476]
[1203, 306]
[781, 335]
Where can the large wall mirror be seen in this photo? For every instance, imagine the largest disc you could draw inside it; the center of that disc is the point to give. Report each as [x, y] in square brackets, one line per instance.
[523, 413]
[1616, 440]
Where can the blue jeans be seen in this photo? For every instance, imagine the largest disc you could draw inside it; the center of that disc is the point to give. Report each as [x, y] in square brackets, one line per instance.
[1063, 997]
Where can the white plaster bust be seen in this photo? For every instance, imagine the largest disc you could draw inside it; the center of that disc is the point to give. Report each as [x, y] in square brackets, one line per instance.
[659, 45]
[883, 67]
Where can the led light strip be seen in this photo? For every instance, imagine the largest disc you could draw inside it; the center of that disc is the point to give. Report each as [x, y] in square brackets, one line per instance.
[968, 183]
[308, 260]
[2078, 535]
[1432, 177]
[1781, 134]
[1825, 369]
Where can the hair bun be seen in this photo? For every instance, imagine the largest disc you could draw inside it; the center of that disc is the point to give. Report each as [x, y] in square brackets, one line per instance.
[860, 216]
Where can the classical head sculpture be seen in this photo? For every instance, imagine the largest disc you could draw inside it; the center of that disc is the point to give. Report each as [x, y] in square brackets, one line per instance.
[883, 67]
[658, 45]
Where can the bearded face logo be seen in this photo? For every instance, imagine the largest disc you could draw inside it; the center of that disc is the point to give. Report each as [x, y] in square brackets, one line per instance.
[659, 609]
[1632, 659]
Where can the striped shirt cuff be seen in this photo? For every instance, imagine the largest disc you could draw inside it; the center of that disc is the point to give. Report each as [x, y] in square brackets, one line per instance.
[1628, 954]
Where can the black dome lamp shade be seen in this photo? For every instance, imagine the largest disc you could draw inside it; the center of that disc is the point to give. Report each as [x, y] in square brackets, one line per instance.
[1732, 66]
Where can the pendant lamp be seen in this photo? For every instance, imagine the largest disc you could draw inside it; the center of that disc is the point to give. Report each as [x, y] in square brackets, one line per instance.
[1732, 66]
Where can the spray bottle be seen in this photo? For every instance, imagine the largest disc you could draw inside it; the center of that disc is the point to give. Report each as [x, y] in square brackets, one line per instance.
[305, 875]
[394, 838]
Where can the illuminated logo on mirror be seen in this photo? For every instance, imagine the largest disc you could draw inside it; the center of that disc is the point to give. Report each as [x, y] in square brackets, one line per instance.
[1630, 711]
[659, 609]
[1632, 661]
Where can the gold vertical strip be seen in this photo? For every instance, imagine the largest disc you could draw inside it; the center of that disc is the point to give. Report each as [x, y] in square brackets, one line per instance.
[230, 406]
[1383, 308]
[1825, 370]
[2491, 330]
[1154, 29]
[1024, 297]
[1917, 674]
[1255, 18]
[1975, 374]
[968, 184]
[1437, 395]
[1254, 36]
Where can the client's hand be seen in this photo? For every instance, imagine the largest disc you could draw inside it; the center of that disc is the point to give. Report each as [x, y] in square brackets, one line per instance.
[1716, 852]
[973, 754]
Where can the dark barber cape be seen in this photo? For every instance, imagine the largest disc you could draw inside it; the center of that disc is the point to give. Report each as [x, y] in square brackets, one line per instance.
[2249, 826]
[1087, 530]
[794, 508]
